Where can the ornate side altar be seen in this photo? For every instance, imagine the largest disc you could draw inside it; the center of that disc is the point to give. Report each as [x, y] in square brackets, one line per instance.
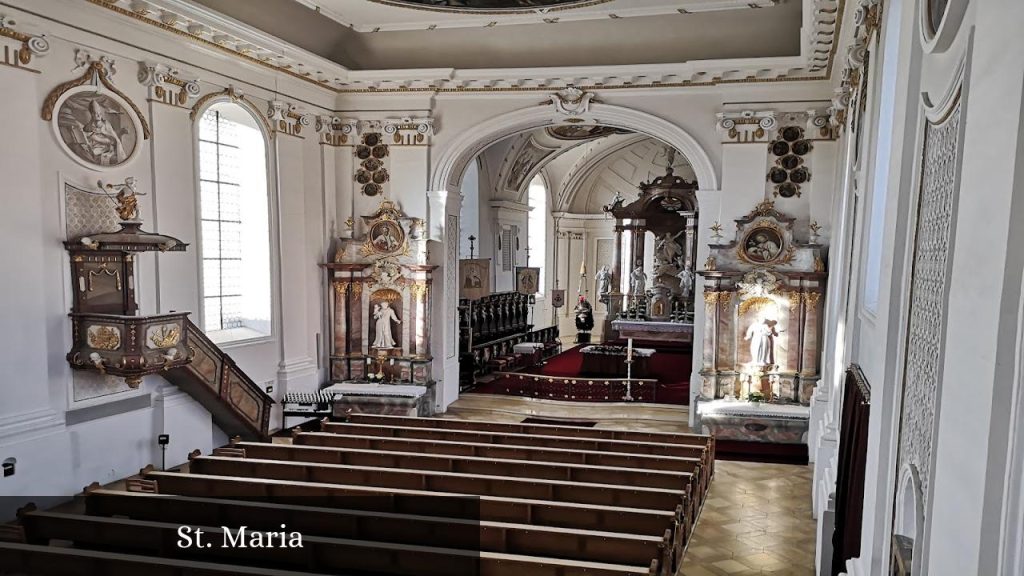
[763, 301]
[380, 305]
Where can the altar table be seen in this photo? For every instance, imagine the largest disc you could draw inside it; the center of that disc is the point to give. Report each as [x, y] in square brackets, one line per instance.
[610, 361]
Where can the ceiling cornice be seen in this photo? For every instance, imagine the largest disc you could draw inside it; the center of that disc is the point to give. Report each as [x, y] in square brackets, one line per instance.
[212, 30]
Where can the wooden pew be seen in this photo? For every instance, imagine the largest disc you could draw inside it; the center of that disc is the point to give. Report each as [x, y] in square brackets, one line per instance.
[499, 451]
[491, 508]
[522, 539]
[705, 453]
[569, 443]
[466, 465]
[53, 561]
[429, 480]
[317, 553]
[539, 429]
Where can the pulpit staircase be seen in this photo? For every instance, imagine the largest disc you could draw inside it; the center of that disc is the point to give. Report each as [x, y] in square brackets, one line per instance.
[238, 405]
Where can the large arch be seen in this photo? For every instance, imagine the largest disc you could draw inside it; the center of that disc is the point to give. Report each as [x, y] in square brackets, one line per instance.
[452, 162]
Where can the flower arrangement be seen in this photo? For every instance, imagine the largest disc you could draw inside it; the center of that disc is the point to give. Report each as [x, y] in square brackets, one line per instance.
[755, 397]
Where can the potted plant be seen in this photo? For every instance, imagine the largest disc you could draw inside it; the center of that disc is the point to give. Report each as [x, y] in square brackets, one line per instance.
[755, 398]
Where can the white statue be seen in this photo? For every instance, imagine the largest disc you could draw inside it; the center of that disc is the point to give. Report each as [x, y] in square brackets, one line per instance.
[685, 281]
[604, 280]
[667, 248]
[638, 281]
[384, 314]
[762, 342]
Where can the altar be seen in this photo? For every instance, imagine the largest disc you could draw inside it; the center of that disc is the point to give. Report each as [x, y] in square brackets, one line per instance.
[380, 316]
[610, 361]
[389, 399]
[762, 308]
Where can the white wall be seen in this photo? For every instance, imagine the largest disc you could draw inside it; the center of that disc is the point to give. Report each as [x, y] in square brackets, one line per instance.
[968, 508]
[54, 456]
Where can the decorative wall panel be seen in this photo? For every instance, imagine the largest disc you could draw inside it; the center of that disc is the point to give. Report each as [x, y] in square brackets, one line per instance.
[451, 288]
[928, 295]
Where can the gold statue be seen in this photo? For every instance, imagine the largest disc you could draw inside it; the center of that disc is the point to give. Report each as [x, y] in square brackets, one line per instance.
[126, 198]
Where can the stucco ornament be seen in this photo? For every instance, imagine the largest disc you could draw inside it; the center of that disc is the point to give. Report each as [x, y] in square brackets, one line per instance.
[572, 101]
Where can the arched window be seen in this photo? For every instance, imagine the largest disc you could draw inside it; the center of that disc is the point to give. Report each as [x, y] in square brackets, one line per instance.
[537, 227]
[235, 225]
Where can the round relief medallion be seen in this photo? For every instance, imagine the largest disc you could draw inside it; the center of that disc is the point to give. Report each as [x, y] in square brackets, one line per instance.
[96, 128]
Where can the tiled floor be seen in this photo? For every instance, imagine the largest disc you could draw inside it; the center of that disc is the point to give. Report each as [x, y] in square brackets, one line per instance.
[757, 518]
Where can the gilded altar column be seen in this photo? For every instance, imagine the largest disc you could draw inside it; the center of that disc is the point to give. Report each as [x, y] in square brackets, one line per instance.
[709, 356]
[340, 371]
[809, 349]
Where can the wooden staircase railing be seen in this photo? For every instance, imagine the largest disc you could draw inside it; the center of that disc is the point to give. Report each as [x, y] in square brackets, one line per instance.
[239, 406]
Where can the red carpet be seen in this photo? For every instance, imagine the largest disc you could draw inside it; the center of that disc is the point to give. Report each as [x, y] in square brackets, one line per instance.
[670, 367]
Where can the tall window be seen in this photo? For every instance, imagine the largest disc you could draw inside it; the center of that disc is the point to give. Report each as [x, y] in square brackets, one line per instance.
[537, 226]
[235, 241]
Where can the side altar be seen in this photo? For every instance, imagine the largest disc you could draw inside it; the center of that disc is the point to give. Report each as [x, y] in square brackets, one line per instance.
[763, 304]
[380, 305]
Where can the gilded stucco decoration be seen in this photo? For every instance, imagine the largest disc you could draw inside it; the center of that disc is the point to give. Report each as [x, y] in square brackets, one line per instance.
[95, 123]
[30, 45]
[167, 84]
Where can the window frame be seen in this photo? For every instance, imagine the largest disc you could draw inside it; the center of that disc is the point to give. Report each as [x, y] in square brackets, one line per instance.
[272, 224]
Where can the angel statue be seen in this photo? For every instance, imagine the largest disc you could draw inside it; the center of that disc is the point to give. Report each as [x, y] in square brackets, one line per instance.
[668, 249]
[604, 280]
[126, 198]
[638, 281]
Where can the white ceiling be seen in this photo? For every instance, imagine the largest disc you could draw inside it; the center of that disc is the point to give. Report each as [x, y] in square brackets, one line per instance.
[394, 15]
[405, 40]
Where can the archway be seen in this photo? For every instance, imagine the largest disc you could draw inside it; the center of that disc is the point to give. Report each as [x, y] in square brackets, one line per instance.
[448, 171]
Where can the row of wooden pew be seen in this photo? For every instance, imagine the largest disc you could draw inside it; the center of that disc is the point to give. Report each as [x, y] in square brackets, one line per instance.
[383, 495]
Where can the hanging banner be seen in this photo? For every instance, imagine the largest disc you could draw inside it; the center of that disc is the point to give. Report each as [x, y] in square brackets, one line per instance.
[558, 298]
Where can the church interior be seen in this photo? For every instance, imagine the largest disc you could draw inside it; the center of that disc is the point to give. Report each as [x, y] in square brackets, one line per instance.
[512, 287]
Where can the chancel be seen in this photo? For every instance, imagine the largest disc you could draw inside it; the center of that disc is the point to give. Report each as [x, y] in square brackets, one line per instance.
[512, 287]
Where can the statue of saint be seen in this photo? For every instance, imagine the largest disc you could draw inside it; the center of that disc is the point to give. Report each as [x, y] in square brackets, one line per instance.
[638, 281]
[762, 342]
[604, 280]
[685, 281]
[384, 314]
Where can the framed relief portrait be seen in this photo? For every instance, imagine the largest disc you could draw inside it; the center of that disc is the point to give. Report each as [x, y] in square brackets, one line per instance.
[474, 278]
[762, 245]
[96, 127]
[386, 237]
[527, 280]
